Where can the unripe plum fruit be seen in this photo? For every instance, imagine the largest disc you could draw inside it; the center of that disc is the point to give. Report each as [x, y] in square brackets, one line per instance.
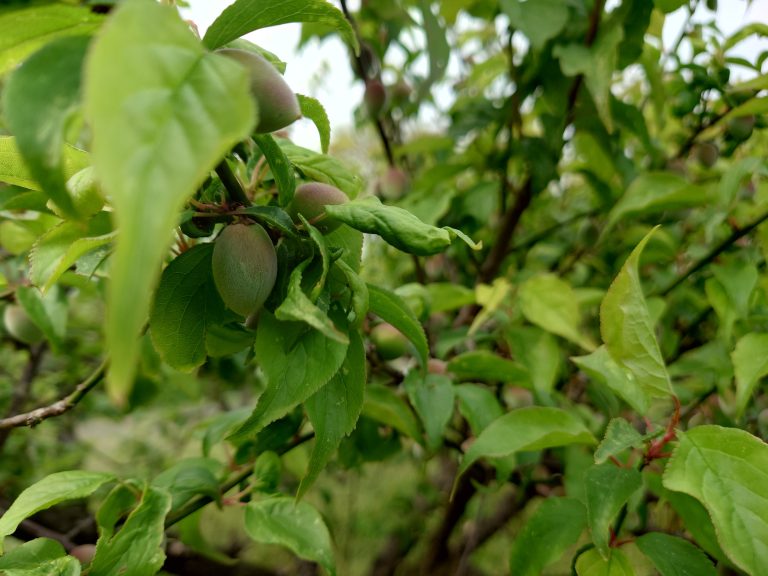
[278, 105]
[388, 341]
[84, 552]
[20, 326]
[244, 267]
[375, 97]
[84, 193]
[741, 128]
[707, 153]
[310, 200]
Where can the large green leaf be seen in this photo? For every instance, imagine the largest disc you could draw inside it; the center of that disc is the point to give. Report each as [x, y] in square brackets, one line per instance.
[627, 329]
[25, 29]
[188, 478]
[137, 549]
[313, 109]
[553, 528]
[675, 556]
[248, 15]
[539, 352]
[654, 192]
[322, 168]
[49, 313]
[602, 368]
[396, 226]
[608, 487]
[591, 563]
[527, 429]
[32, 555]
[727, 471]
[487, 366]
[384, 405]
[282, 171]
[59, 248]
[550, 303]
[335, 408]
[393, 309]
[750, 364]
[478, 405]
[49, 491]
[153, 97]
[38, 120]
[13, 170]
[433, 398]
[297, 361]
[296, 525]
[540, 21]
[186, 305]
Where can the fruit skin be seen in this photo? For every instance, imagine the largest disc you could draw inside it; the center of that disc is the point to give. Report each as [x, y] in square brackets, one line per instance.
[278, 105]
[375, 97]
[393, 184]
[244, 267]
[707, 153]
[20, 326]
[388, 341]
[310, 200]
[741, 128]
[85, 195]
[84, 552]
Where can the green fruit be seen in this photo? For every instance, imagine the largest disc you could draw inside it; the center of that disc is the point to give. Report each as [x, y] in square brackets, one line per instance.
[198, 227]
[388, 341]
[20, 326]
[707, 153]
[310, 200]
[277, 104]
[741, 128]
[684, 102]
[375, 97]
[244, 267]
[84, 193]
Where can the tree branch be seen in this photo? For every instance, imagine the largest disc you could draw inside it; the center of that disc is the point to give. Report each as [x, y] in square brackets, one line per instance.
[34, 417]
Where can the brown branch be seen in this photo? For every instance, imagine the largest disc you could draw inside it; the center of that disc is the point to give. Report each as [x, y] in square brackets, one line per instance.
[34, 417]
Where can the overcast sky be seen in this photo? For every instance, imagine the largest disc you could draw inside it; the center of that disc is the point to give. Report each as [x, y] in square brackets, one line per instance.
[322, 70]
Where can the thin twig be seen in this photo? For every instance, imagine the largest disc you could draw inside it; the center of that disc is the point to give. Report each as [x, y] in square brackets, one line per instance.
[34, 417]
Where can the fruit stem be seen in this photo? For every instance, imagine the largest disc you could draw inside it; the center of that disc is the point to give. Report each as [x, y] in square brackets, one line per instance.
[235, 190]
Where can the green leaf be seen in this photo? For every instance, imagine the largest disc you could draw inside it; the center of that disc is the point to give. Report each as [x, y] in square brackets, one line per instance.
[391, 308]
[322, 250]
[540, 355]
[296, 525]
[697, 521]
[137, 549]
[48, 492]
[146, 77]
[47, 312]
[396, 226]
[30, 555]
[601, 367]
[27, 29]
[754, 28]
[384, 405]
[727, 471]
[297, 361]
[245, 16]
[738, 280]
[590, 563]
[334, 410]
[59, 248]
[444, 297]
[619, 436]
[550, 303]
[628, 332]
[432, 396]
[487, 366]
[359, 290]
[188, 478]
[62, 566]
[40, 121]
[554, 527]
[322, 168]
[438, 49]
[525, 430]
[750, 364]
[673, 556]
[13, 170]
[655, 192]
[313, 109]
[608, 487]
[540, 21]
[281, 167]
[272, 216]
[478, 405]
[299, 308]
[186, 305]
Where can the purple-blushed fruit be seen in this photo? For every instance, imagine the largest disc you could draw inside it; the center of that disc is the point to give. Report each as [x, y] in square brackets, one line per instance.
[310, 201]
[375, 97]
[707, 153]
[277, 104]
[741, 128]
[244, 267]
[393, 184]
[388, 341]
[20, 326]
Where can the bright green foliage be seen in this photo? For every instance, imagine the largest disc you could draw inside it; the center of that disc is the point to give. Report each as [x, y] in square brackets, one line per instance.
[675, 556]
[590, 563]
